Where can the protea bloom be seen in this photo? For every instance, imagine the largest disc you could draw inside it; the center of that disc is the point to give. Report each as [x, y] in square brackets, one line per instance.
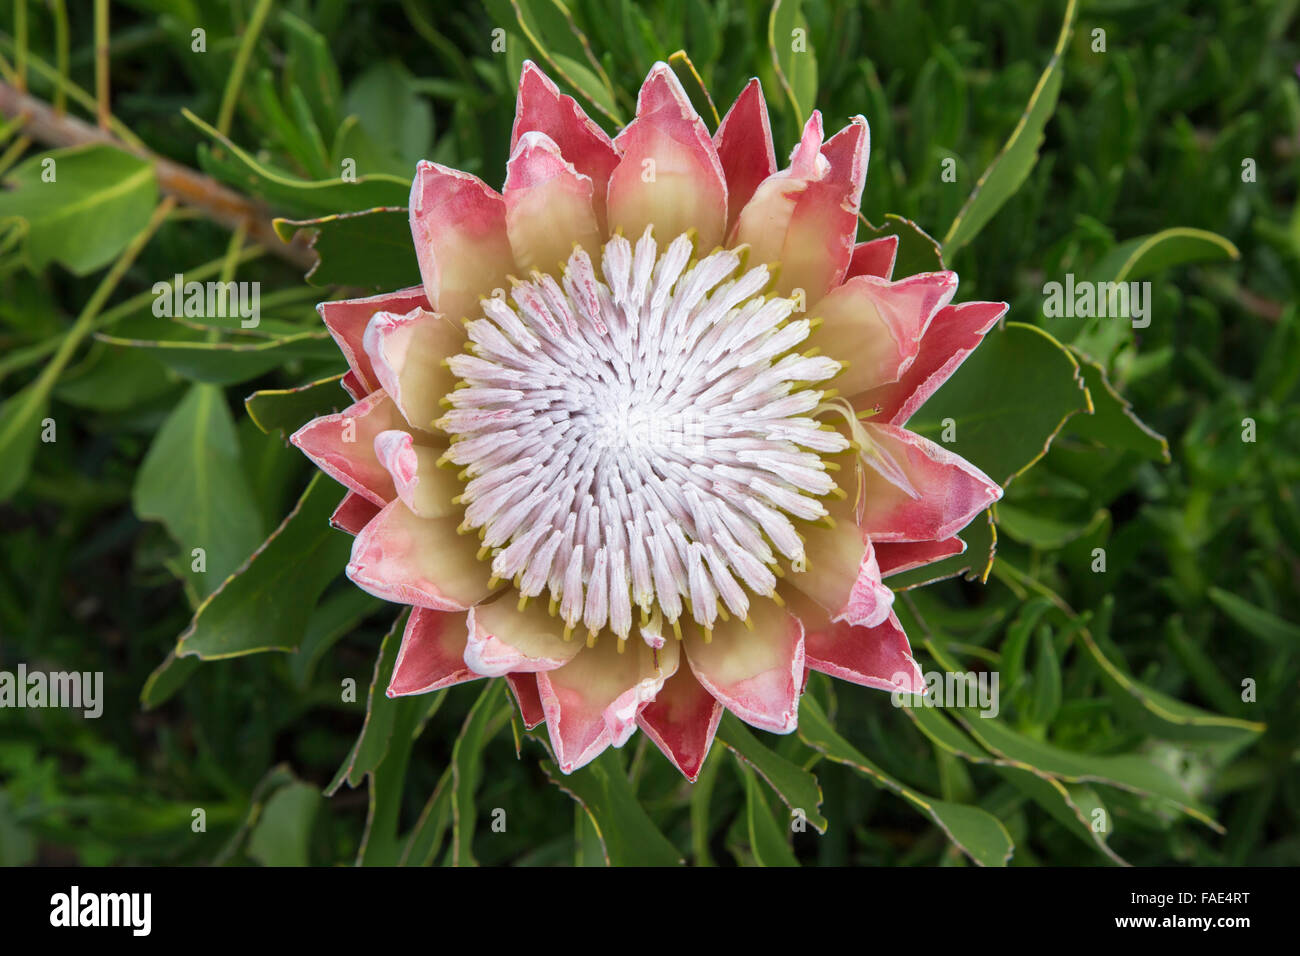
[593, 449]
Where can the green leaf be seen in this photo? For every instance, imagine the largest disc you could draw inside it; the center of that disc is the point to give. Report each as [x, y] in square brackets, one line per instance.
[282, 834]
[228, 362]
[396, 123]
[261, 606]
[1047, 681]
[382, 752]
[1113, 423]
[370, 249]
[467, 769]
[167, 678]
[313, 70]
[336, 616]
[1042, 531]
[427, 835]
[793, 57]
[701, 801]
[562, 46]
[1136, 773]
[1269, 628]
[112, 379]
[381, 712]
[272, 780]
[766, 837]
[1147, 255]
[311, 197]
[1016, 643]
[99, 200]
[1133, 772]
[1007, 402]
[287, 409]
[380, 843]
[1159, 714]
[1012, 166]
[22, 418]
[975, 832]
[796, 786]
[1057, 798]
[192, 481]
[627, 833]
[1140, 258]
[1071, 805]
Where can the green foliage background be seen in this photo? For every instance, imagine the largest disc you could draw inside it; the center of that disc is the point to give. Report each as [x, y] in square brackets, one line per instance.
[1122, 691]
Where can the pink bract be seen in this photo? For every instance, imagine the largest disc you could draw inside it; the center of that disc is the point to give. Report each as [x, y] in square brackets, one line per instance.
[603, 410]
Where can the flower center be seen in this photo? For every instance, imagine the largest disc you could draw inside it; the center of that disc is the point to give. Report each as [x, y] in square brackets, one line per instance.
[643, 438]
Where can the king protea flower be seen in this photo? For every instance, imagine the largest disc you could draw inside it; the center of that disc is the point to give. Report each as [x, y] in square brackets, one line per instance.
[594, 449]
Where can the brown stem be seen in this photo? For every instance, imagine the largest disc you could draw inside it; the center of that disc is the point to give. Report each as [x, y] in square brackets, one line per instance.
[221, 205]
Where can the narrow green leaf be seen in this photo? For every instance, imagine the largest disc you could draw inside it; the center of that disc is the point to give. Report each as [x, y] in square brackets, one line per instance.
[427, 835]
[796, 786]
[1147, 255]
[336, 616]
[766, 837]
[327, 196]
[282, 834]
[382, 714]
[975, 832]
[467, 769]
[1132, 772]
[1047, 681]
[313, 69]
[22, 420]
[167, 678]
[381, 754]
[228, 362]
[1013, 164]
[563, 47]
[629, 836]
[1140, 258]
[793, 57]
[1074, 806]
[380, 843]
[701, 805]
[1269, 628]
[1016, 643]
[1159, 714]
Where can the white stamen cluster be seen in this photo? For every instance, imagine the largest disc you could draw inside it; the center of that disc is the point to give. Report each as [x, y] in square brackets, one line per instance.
[641, 440]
